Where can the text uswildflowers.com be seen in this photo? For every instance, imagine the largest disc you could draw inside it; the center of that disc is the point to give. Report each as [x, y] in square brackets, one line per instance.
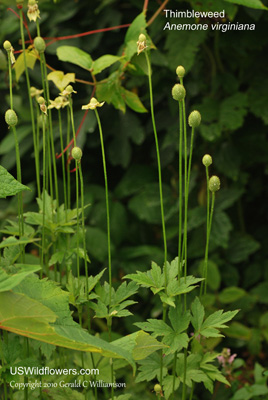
[53, 371]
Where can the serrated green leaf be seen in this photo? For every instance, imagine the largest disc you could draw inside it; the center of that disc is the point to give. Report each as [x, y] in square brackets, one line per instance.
[9, 281]
[103, 62]
[75, 56]
[216, 321]
[233, 110]
[241, 246]
[137, 27]
[184, 285]
[12, 241]
[9, 185]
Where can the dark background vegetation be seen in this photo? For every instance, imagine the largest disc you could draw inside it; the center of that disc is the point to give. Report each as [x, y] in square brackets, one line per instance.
[227, 82]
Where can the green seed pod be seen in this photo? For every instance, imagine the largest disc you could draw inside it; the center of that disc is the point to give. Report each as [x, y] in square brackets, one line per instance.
[194, 119]
[178, 92]
[180, 71]
[157, 388]
[11, 118]
[214, 184]
[142, 38]
[207, 160]
[77, 153]
[7, 45]
[41, 100]
[39, 44]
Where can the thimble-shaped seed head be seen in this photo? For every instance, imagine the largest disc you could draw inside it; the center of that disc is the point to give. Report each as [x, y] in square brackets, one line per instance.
[194, 119]
[77, 153]
[214, 183]
[180, 71]
[207, 160]
[157, 388]
[11, 118]
[7, 45]
[39, 44]
[178, 92]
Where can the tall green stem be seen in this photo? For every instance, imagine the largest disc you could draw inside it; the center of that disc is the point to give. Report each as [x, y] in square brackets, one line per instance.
[180, 193]
[30, 102]
[109, 321]
[63, 163]
[158, 162]
[207, 235]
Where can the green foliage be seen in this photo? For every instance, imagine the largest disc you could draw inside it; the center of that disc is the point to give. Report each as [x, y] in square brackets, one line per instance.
[9, 185]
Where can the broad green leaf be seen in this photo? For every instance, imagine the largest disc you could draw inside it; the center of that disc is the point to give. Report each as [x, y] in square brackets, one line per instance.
[261, 292]
[75, 56]
[140, 344]
[231, 294]
[8, 142]
[240, 247]
[135, 178]
[213, 276]
[168, 385]
[137, 27]
[133, 101]
[39, 310]
[187, 46]
[233, 110]
[249, 3]
[20, 66]
[9, 281]
[60, 79]
[103, 62]
[238, 331]
[9, 186]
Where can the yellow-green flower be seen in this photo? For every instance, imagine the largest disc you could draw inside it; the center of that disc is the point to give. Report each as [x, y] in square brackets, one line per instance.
[93, 104]
[68, 91]
[59, 102]
[35, 92]
[33, 11]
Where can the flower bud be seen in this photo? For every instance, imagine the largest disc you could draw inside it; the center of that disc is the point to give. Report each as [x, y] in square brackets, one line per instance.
[7, 45]
[11, 118]
[214, 184]
[41, 100]
[77, 153]
[142, 38]
[69, 89]
[207, 160]
[178, 92]
[31, 2]
[180, 71]
[194, 119]
[157, 388]
[39, 44]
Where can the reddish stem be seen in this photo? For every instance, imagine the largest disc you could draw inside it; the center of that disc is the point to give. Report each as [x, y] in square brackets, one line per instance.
[145, 5]
[55, 39]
